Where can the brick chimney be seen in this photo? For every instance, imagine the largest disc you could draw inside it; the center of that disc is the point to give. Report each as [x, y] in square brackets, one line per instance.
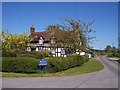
[32, 29]
[53, 28]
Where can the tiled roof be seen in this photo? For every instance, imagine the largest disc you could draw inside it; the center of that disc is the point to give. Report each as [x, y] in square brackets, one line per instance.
[46, 35]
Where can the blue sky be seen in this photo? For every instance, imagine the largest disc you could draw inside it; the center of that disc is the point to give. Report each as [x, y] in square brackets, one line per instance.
[18, 17]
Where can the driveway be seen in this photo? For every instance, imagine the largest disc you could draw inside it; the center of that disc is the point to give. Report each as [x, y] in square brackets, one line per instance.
[106, 78]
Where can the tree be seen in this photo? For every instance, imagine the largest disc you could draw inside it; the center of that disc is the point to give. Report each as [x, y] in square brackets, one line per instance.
[112, 51]
[108, 48]
[14, 42]
[73, 34]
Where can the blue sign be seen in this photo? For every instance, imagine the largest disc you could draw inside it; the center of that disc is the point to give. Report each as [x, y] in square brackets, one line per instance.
[43, 62]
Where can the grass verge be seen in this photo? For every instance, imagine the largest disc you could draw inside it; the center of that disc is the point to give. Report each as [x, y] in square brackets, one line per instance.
[88, 67]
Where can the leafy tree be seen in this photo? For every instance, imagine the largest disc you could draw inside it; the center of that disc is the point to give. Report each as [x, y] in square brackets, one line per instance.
[112, 51]
[108, 48]
[14, 42]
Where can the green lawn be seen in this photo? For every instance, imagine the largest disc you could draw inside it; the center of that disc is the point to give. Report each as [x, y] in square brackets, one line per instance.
[88, 67]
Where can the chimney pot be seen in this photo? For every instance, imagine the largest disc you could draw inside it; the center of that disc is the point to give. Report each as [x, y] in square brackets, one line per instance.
[32, 29]
[53, 28]
[32, 26]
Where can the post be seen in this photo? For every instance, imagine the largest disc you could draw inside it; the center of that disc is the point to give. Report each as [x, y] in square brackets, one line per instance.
[43, 65]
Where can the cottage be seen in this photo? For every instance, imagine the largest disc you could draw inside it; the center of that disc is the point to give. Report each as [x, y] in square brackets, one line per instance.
[45, 41]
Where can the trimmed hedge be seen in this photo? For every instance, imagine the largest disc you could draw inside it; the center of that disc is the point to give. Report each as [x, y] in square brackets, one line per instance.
[57, 64]
[19, 65]
[37, 55]
[26, 55]
[30, 65]
[41, 54]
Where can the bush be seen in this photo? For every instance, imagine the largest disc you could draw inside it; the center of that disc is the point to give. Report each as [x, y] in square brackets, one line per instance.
[63, 63]
[19, 65]
[29, 65]
[41, 54]
[37, 55]
[85, 58]
[8, 54]
[79, 57]
[114, 54]
[26, 55]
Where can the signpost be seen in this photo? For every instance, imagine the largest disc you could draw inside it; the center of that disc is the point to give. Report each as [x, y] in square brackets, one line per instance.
[42, 64]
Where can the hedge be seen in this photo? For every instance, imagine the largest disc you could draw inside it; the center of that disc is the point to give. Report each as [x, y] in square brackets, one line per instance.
[19, 65]
[57, 64]
[8, 54]
[41, 54]
[37, 55]
[30, 65]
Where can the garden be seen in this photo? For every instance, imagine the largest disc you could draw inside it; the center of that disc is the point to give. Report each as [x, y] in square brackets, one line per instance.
[30, 65]
[60, 66]
[17, 61]
[26, 65]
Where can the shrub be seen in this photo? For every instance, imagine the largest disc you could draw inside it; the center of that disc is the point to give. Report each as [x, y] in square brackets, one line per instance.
[114, 54]
[19, 65]
[41, 54]
[26, 55]
[29, 65]
[63, 63]
[8, 54]
[37, 55]
[84, 58]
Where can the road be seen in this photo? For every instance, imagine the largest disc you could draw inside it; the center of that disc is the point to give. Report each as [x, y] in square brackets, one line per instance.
[106, 78]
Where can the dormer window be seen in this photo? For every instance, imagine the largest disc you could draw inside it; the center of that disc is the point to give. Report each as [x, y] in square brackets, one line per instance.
[52, 40]
[41, 40]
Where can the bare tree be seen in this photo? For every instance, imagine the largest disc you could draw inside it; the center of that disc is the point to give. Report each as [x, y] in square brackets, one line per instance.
[73, 34]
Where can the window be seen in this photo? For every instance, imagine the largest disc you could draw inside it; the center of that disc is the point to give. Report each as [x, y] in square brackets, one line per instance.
[53, 51]
[37, 49]
[28, 49]
[41, 40]
[53, 40]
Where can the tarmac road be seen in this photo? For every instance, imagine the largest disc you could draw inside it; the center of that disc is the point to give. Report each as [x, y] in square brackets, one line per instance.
[106, 78]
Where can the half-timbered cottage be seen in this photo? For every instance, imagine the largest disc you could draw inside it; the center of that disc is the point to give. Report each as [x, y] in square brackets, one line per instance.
[46, 41]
